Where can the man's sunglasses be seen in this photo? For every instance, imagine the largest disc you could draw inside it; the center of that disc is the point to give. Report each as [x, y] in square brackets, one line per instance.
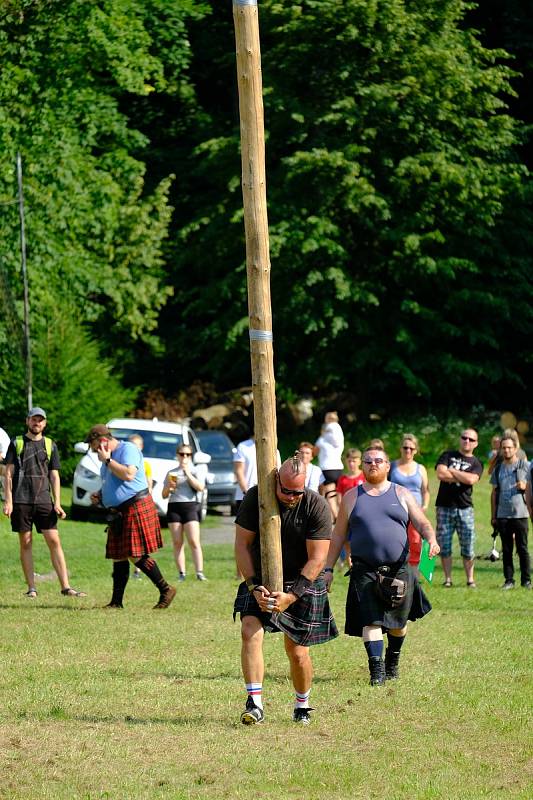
[468, 439]
[377, 461]
[294, 492]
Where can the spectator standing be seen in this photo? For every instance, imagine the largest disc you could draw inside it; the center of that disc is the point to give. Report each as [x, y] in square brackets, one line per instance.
[134, 532]
[301, 611]
[457, 471]
[509, 512]
[313, 474]
[245, 468]
[328, 448]
[138, 440]
[413, 476]
[4, 444]
[373, 518]
[184, 510]
[354, 476]
[32, 497]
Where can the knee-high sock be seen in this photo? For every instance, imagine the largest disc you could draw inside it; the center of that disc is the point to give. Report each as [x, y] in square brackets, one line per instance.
[148, 565]
[121, 574]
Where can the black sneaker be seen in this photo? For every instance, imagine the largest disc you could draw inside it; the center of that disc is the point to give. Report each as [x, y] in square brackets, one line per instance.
[508, 585]
[252, 714]
[302, 716]
[527, 585]
[377, 671]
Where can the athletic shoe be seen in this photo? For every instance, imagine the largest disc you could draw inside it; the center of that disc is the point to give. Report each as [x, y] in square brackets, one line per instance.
[508, 585]
[252, 714]
[166, 597]
[302, 716]
[527, 585]
[181, 577]
[137, 575]
[200, 576]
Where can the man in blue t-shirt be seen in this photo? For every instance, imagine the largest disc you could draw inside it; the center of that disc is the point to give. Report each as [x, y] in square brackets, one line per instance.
[134, 530]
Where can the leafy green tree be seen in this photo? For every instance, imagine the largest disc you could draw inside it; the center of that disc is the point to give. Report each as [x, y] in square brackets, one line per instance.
[398, 207]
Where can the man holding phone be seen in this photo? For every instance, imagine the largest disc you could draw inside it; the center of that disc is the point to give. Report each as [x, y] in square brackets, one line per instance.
[134, 531]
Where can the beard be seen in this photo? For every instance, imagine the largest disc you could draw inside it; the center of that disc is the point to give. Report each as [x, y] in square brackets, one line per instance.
[375, 477]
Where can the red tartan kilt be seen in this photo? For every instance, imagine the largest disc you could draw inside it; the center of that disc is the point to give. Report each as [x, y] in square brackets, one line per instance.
[139, 533]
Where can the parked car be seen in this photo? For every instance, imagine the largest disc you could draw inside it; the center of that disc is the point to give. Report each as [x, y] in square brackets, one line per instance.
[161, 440]
[221, 481]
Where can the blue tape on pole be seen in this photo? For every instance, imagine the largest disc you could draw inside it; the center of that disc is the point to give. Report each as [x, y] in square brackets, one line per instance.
[261, 336]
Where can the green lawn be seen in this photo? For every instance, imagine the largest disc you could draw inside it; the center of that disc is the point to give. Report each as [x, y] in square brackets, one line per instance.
[146, 704]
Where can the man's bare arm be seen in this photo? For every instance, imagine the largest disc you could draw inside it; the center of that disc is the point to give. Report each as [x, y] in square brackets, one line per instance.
[468, 478]
[419, 520]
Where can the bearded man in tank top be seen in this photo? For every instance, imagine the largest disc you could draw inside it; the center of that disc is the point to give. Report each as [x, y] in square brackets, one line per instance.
[372, 521]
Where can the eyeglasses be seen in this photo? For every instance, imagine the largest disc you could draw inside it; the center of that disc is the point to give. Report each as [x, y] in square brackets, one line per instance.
[377, 461]
[185, 454]
[294, 492]
[408, 448]
[468, 439]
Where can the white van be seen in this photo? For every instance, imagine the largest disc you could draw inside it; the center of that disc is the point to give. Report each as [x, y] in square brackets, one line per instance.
[161, 439]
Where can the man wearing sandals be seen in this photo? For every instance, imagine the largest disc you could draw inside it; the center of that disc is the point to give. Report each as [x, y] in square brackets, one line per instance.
[32, 492]
[457, 471]
[301, 611]
[134, 532]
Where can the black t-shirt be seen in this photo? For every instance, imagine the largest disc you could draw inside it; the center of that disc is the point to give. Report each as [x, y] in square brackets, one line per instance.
[309, 519]
[457, 495]
[31, 484]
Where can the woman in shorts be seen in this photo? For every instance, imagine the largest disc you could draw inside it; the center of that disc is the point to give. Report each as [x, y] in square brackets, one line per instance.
[183, 516]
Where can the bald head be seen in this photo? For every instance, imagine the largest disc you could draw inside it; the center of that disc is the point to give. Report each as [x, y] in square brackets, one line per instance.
[290, 484]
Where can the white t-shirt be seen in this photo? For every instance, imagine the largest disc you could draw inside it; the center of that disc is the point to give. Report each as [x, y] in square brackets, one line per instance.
[314, 477]
[330, 446]
[246, 454]
[4, 443]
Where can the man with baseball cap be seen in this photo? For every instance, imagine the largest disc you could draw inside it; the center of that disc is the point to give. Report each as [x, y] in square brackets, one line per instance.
[134, 531]
[301, 611]
[32, 497]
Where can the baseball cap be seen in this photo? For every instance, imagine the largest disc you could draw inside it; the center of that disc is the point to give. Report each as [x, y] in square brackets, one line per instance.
[37, 412]
[97, 431]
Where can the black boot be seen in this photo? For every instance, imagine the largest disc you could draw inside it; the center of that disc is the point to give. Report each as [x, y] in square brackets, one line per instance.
[392, 662]
[377, 671]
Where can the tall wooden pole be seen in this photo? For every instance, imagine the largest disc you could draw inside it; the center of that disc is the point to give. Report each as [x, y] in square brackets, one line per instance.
[246, 22]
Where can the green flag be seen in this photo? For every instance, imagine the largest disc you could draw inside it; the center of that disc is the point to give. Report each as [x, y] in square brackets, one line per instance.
[427, 564]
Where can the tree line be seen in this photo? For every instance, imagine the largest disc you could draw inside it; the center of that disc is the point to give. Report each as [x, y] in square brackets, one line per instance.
[399, 198]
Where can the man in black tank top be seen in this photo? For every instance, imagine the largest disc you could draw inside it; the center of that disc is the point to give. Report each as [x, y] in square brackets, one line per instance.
[373, 521]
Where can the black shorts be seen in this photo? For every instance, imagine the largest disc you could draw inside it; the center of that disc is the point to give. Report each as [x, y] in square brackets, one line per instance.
[331, 475]
[24, 516]
[183, 512]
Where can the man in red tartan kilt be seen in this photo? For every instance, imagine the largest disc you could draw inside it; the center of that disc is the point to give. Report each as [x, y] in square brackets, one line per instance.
[134, 531]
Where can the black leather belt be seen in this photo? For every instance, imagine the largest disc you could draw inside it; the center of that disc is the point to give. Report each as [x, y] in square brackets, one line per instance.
[131, 500]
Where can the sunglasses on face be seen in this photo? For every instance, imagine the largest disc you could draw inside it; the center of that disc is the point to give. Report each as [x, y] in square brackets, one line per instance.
[408, 448]
[293, 492]
[468, 439]
[185, 454]
[377, 461]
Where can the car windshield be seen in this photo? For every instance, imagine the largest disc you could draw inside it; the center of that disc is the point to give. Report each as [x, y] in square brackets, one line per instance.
[216, 444]
[156, 443]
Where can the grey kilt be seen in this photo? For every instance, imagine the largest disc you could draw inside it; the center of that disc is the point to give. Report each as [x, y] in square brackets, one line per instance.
[306, 622]
[364, 607]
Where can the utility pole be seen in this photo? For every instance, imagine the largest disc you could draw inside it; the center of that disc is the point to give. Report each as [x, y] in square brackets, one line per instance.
[245, 16]
[27, 342]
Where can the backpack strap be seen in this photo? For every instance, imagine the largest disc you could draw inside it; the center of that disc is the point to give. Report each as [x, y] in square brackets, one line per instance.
[19, 447]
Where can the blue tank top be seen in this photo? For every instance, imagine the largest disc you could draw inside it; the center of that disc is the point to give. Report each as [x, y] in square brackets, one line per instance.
[378, 528]
[411, 482]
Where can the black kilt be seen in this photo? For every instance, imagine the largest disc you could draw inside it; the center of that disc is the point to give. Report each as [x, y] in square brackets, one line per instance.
[365, 607]
[306, 622]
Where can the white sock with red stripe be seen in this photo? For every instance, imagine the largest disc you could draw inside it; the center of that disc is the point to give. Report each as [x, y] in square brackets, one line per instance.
[255, 691]
[302, 699]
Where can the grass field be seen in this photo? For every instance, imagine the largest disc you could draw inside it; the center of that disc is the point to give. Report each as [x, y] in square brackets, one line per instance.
[145, 704]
